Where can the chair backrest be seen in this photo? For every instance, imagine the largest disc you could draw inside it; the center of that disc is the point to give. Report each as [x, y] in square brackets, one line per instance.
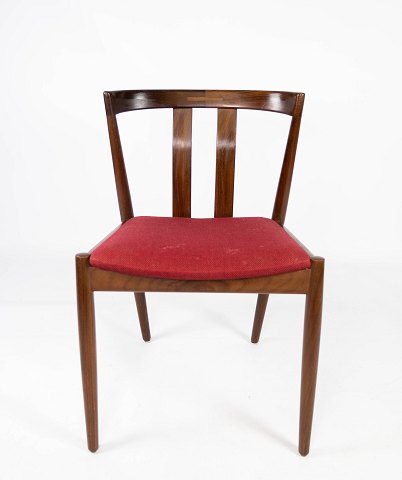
[182, 102]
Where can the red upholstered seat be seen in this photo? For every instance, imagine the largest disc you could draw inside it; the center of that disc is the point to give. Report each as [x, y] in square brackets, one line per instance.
[200, 248]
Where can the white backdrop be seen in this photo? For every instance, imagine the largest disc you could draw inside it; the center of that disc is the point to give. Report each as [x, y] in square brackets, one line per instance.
[58, 57]
[57, 189]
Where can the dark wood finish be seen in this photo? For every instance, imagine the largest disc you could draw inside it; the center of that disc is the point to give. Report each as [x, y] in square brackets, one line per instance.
[122, 187]
[126, 100]
[86, 329]
[311, 346]
[182, 126]
[184, 100]
[142, 310]
[309, 281]
[106, 281]
[225, 162]
[285, 179]
[260, 309]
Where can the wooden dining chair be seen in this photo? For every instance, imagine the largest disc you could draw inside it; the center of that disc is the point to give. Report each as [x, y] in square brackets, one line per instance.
[183, 254]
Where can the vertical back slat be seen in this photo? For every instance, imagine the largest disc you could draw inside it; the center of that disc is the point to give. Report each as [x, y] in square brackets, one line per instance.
[225, 162]
[182, 128]
[122, 187]
[285, 179]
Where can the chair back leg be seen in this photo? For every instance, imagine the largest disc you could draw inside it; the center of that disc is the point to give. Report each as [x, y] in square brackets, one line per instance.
[311, 345]
[86, 329]
[260, 308]
[141, 303]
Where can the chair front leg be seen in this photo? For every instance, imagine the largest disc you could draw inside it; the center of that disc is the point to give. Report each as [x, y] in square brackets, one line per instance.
[86, 328]
[311, 345]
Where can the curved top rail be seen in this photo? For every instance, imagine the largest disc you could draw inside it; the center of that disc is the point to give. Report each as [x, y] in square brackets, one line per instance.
[126, 100]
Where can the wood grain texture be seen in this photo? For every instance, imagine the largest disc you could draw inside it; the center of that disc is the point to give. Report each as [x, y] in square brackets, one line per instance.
[285, 179]
[260, 309]
[122, 187]
[142, 310]
[104, 280]
[225, 162]
[182, 126]
[126, 100]
[311, 346]
[86, 329]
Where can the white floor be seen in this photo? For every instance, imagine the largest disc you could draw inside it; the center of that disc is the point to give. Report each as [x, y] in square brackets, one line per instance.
[200, 401]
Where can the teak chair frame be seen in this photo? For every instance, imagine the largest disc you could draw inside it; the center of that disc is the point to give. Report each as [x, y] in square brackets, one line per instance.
[308, 282]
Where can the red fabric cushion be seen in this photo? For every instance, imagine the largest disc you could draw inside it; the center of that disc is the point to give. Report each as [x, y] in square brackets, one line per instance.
[200, 248]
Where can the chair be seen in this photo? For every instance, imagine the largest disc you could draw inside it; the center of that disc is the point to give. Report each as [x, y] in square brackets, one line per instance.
[183, 254]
